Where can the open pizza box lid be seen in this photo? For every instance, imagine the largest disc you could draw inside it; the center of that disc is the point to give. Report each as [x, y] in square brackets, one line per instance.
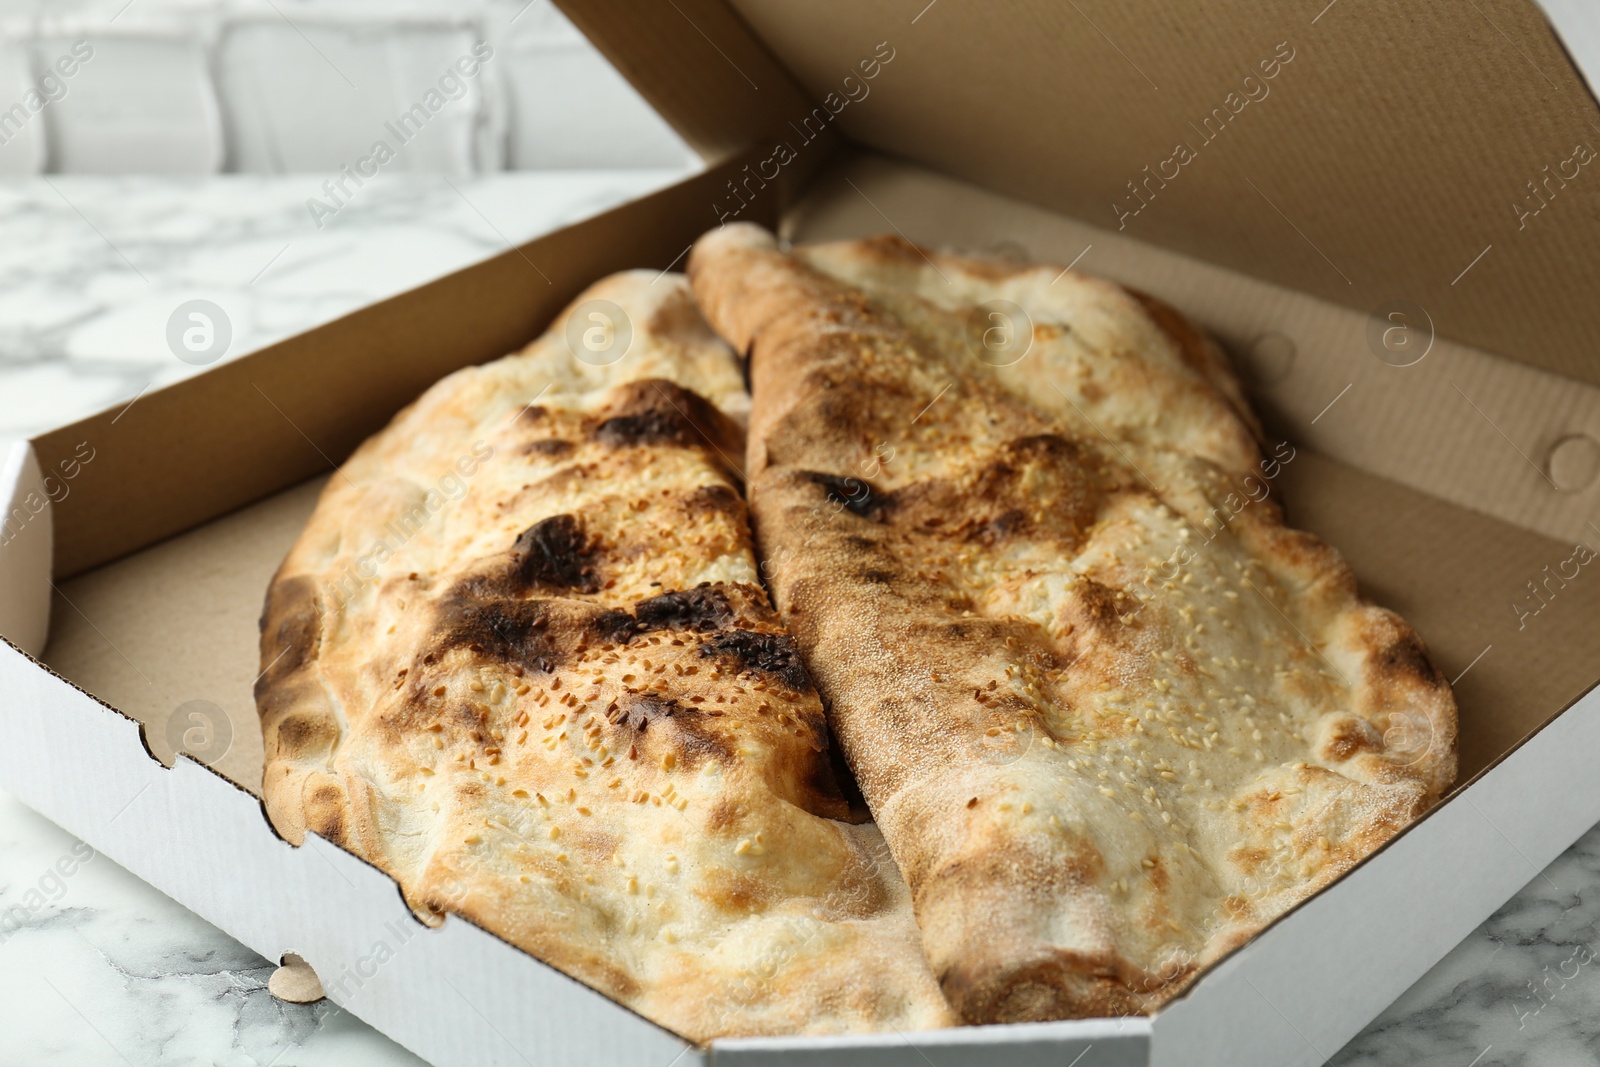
[1420, 161]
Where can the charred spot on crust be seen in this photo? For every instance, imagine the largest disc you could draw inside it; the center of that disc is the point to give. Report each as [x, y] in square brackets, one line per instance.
[1041, 486]
[716, 499]
[1061, 466]
[1003, 526]
[1248, 859]
[554, 447]
[471, 717]
[644, 709]
[891, 248]
[707, 608]
[291, 627]
[689, 737]
[511, 631]
[1101, 606]
[1347, 738]
[1039, 445]
[855, 495]
[702, 609]
[655, 411]
[1406, 657]
[303, 734]
[773, 654]
[725, 814]
[613, 627]
[556, 554]
[324, 807]
[1156, 872]
[644, 428]
[330, 827]
[739, 894]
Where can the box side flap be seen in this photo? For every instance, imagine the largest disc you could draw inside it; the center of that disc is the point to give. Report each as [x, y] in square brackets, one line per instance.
[1440, 153]
[199, 448]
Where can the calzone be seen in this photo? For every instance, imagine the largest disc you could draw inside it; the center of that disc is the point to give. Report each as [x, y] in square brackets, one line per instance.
[521, 659]
[1111, 714]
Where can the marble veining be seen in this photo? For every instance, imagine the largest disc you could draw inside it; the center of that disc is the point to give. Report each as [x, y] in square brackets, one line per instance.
[1523, 990]
[96, 967]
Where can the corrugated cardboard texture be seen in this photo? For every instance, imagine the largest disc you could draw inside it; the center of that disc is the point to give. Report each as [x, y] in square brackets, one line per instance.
[25, 549]
[188, 453]
[1380, 162]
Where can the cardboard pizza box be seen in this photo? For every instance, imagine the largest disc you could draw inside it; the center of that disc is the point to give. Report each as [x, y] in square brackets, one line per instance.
[1387, 214]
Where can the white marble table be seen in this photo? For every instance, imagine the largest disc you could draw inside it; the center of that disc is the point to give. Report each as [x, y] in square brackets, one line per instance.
[109, 971]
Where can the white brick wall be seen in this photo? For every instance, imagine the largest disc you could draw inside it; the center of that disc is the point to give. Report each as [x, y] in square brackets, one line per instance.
[283, 86]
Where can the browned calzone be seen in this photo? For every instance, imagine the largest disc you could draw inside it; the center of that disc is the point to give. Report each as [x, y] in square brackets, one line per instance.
[521, 659]
[1111, 715]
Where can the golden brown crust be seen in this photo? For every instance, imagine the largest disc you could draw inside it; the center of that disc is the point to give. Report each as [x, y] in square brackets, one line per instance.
[520, 658]
[1111, 715]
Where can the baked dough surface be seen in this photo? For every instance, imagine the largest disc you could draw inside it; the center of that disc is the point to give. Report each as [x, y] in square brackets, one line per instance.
[1111, 714]
[521, 660]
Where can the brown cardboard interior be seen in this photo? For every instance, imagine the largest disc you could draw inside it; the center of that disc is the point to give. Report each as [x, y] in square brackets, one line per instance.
[1399, 143]
[720, 107]
[178, 622]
